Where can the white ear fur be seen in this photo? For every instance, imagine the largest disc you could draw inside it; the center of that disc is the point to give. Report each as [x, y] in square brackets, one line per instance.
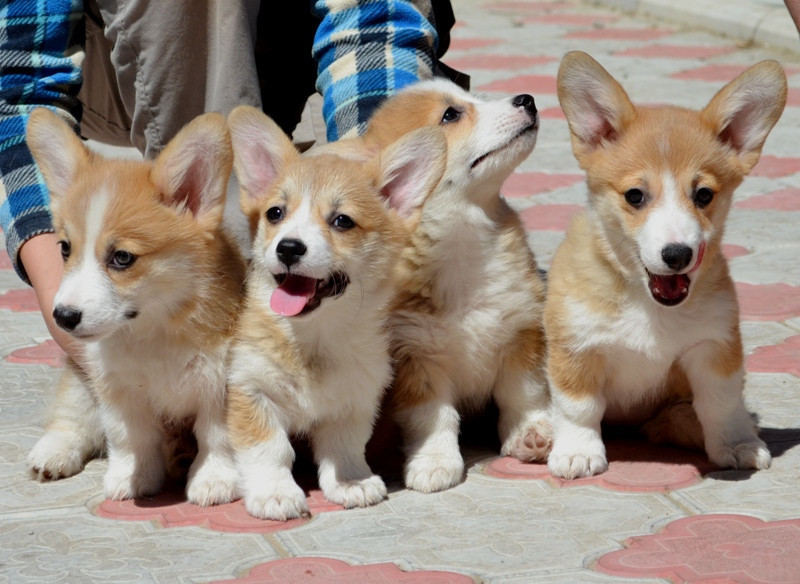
[744, 111]
[595, 105]
[56, 148]
[260, 151]
[194, 168]
[411, 168]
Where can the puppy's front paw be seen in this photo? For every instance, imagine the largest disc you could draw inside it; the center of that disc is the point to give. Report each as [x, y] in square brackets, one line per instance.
[126, 480]
[434, 472]
[213, 483]
[749, 454]
[280, 501]
[572, 460]
[55, 456]
[532, 443]
[363, 493]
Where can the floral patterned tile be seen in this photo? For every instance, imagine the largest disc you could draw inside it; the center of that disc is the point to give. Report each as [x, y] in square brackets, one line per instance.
[170, 509]
[47, 353]
[314, 570]
[634, 466]
[712, 548]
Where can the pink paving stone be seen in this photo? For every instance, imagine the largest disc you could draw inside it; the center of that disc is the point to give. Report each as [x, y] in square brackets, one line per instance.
[521, 6]
[555, 113]
[675, 51]
[318, 570]
[578, 20]
[717, 73]
[783, 358]
[5, 261]
[634, 466]
[498, 62]
[781, 200]
[712, 548]
[549, 217]
[776, 166]
[768, 302]
[618, 34]
[170, 509]
[524, 184]
[533, 84]
[23, 300]
[457, 44]
[731, 251]
[46, 353]
[793, 99]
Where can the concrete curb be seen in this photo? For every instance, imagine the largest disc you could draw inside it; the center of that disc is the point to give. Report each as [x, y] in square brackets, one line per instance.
[763, 22]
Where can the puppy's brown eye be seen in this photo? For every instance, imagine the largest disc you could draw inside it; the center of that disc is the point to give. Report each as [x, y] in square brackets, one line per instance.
[635, 198]
[274, 214]
[451, 114]
[65, 249]
[121, 260]
[343, 222]
[703, 196]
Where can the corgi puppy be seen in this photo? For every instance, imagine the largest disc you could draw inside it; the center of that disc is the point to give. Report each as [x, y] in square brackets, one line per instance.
[152, 286]
[311, 353]
[641, 309]
[466, 322]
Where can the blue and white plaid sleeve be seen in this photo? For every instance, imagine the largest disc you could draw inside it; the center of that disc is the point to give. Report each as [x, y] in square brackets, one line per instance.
[40, 65]
[367, 50]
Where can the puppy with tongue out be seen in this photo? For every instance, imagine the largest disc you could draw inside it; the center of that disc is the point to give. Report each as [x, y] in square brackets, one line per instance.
[311, 353]
[641, 317]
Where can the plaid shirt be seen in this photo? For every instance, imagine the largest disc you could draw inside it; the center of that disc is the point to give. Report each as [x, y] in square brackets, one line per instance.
[365, 50]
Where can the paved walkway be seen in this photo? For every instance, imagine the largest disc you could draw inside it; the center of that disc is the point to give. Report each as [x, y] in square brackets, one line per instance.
[657, 515]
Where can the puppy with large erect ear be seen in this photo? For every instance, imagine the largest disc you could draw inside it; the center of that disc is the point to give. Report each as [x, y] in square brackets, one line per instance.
[641, 314]
[311, 354]
[152, 286]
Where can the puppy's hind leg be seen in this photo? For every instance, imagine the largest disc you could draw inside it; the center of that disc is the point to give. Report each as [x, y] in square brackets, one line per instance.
[524, 425]
[74, 433]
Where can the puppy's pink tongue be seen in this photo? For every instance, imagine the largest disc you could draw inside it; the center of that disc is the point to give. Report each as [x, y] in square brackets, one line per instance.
[291, 297]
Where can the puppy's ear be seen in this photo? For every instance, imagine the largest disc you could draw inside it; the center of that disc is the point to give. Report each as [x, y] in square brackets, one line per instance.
[261, 149]
[596, 106]
[57, 150]
[193, 170]
[744, 112]
[411, 168]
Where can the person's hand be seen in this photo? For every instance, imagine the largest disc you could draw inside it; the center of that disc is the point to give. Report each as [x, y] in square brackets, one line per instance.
[41, 257]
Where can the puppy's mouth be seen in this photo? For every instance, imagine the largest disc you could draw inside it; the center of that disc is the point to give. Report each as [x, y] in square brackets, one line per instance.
[669, 290]
[298, 295]
[526, 130]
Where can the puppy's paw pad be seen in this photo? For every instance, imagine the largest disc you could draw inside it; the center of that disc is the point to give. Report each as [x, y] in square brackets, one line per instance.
[430, 474]
[363, 493]
[55, 456]
[751, 454]
[532, 443]
[278, 506]
[575, 466]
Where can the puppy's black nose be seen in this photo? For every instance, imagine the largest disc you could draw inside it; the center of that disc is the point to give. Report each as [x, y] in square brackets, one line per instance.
[290, 251]
[526, 101]
[67, 318]
[677, 256]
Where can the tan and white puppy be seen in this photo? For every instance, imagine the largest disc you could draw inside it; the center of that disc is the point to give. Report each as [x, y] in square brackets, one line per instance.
[467, 320]
[311, 355]
[641, 309]
[152, 287]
